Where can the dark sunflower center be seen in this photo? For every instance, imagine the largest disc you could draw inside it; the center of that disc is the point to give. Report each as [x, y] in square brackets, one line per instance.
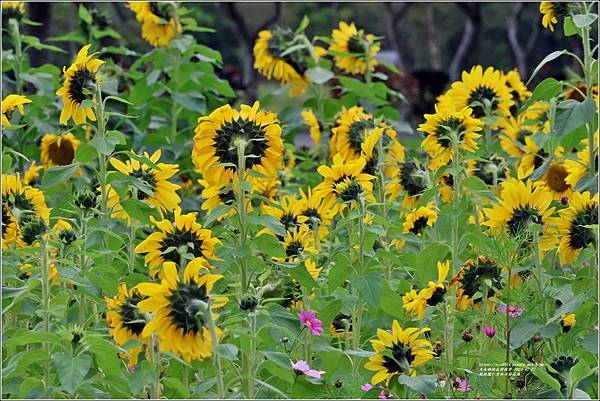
[437, 297]
[579, 236]
[560, 9]
[20, 202]
[294, 248]
[522, 218]
[412, 183]
[474, 278]
[539, 157]
[338, 322]
[250, 132]
[61, 154]
[162, 10]
[347, 188]
[5, 218]
[289, 221]
[371, 165]
[148, 178]
[401, 358]
[419, 225]
[555, 178]
[82, 79]
[172, 242]
[357, 131]
[477, 100]
[522, 135]
[355, 44]
[133, 319]
[313, 216]
[10, 12]
[445, 128]
[184, 306]
[280, 42]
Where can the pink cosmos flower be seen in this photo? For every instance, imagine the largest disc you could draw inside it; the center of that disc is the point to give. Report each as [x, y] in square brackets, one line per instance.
[512, 310]
[461, 385]
[489, 331]
[302, 368]
[309, 319]
[368, 386]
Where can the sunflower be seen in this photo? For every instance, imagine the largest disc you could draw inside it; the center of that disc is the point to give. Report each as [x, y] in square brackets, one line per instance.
[215, 196]
[418, 219]
[58, 150]
[517, 88]
[318, 212]
[311, 267]
[297, 243]
[80, 78]
[11, 102]
[270, 60]
[341, 325]
[551, 11]
[477, 88]
[441, 126]
[32, 174]
[176, 304]
[567, 321]
[472, 278]
[159, 21]
[126, 321]
[344, 181]
[407, 176]
[165, 245]
[522, 204]
[554, 181]
[216, 145]
[23, 201]
[11, 236]
[575, 236]
[349, 39]
[446, 182]
[311, 121]
[398, 352]
[577, 169]
[534, 157]
[575, 91]
[515, 130]
[287, 211]
[488, 166]
[416, 303]
[352, 126]
[13, 9]
[159, 191]
[268, 188]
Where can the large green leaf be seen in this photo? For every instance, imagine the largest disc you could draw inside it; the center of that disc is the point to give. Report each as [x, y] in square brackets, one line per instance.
[71, 370]
[369, 287]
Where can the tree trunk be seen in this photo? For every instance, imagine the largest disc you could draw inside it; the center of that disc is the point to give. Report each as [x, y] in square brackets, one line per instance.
[433, 39]
[391, 20]
[39, 12]
[469, 37]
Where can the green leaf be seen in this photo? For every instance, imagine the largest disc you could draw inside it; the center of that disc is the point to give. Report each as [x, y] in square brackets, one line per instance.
[174, 388]
[522, 332]
[301, 275]
[21, 361]
[58, 175]
[276, 370]
[104, 352]
[583, 20]
[85, 153]
[579, 372]
[139, 210]
[552, 56]
[546, 378]
[329, 311]
[267, 221]
[590, 342]
[104, 145]
[423, 384]
[71, 371]
[227, 351]
[85, 15]
[24, 337]
[390, 302]
[369, 287]
[339, 272]
[319, 75]
[571, 114]
[547, 89]
[270, 246]
[569, 28]
[6, 162]
[303, 24]
[118, 99]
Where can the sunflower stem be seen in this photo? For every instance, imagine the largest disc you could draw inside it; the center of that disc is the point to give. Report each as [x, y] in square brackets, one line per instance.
[45, 301]
[367, 46]
[17, 43]
[82, 261]
[357, 315]
[174, 105]
[102, 158]
[216, 358]
[153, 346]
[589, 80]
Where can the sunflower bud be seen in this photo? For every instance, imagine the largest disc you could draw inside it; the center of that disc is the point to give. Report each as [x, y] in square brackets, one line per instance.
[85, 199]
[67, 236]
[32, 230]
[248, 303]
[467, 336]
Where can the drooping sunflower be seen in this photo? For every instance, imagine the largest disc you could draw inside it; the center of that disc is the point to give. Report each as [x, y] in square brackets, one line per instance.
[79, 78]
[315, 127]
[554, 181]
[13, 9]
[176, 304]
[471, 279]
[159, 21]
[217, 196]
[344, 181]
[32, 174]
[159, 191]
[351, 128]
[125, 320]
[287, 211]
[578, 91]
[552, 11]
[575, 237]
[579, 168]
[410, 177]
[58, 150]
[23, 201]
[416, 303]
[12, 102]
[522, 204]
[393, 151]
[417, 220]
[398, 353]
[439, 128]
[268, 188]
[517, 88]
[475, 89]
[165, 245]
[515, 130]
[11, 236]
[217, 137]
[318, 212]
[359, 45]
[534, 157]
